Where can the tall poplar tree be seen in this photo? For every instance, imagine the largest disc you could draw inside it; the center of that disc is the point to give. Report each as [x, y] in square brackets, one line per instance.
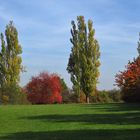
[84, 61]
[10, 59]
[139, 46]
[74, 61]
[2, 62]
[13, 51]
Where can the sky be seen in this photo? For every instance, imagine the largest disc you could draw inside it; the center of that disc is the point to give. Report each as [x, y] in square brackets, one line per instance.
[44, 32]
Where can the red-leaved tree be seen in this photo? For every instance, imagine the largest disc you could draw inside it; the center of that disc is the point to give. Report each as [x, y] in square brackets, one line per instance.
[44, 89]
[129, 81]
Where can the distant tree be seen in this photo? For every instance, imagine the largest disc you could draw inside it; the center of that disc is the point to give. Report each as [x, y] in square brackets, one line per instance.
[129, 80]
[84, 62]
[115, 95]
[10, 60]
[63, 84]
[44, 89]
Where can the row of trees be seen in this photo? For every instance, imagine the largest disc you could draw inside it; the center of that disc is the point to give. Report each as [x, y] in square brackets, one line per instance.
[83, 66]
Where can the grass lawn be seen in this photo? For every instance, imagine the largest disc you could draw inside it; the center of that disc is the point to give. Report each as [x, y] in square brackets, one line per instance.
[70, 122]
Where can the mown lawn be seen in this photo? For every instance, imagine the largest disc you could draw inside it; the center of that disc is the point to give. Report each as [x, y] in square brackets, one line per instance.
[70, 122]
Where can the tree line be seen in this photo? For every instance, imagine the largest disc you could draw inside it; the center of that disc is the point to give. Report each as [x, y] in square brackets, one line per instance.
[83, 67]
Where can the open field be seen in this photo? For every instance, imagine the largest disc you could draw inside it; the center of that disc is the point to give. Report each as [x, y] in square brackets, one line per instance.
[70, 122]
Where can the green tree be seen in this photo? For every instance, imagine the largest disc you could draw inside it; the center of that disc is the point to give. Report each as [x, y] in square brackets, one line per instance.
[84, 61]
[139, 46]
[64, 91]
[74, 61]
[13, 51]
[63, 84]
[10, 60]
[2, 62]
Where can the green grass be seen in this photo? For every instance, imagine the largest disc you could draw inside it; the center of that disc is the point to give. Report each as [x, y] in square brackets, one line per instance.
[70, 122]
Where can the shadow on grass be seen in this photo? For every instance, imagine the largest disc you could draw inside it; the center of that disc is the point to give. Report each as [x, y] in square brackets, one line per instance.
[120, 119]
[76, 135]
[113, 107]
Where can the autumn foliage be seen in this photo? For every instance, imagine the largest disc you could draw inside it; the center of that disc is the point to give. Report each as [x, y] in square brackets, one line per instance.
[129, 81]
[44, 89]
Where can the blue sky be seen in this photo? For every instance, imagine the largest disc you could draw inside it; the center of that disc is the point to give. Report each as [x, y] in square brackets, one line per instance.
[44, 33]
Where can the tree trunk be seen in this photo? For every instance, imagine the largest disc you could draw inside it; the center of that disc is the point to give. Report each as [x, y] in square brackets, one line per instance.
[87, 99]
[78, 100]
[78, 92]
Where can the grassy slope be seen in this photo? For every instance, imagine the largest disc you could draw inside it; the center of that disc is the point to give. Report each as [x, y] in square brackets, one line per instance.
[70, 122]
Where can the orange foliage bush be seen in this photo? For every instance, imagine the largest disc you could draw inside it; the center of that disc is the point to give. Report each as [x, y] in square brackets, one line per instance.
[44, 89]
[129, 81]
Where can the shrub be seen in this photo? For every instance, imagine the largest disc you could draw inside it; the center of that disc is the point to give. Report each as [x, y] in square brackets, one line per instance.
[65, 92]
[129, 81]
[115, 95]
[65, 96]
[73, 98]
[102, 97]
[44, 89]
[12, 94]
[5, 99]
[106, 96]
[82, 98]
